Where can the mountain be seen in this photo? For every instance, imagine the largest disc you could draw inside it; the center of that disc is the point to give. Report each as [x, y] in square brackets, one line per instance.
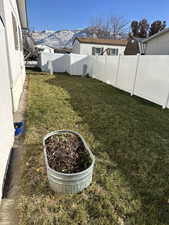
[58, 39]
[64, 38]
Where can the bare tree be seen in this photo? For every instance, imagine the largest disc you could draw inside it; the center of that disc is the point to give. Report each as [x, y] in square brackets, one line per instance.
[111, 28]
[98, 28]
[97, 22]
[118, 27]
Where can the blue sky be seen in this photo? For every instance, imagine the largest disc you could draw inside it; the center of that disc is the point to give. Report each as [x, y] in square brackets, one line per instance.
[74, 14]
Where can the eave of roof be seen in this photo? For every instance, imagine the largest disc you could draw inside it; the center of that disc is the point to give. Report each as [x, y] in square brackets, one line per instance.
[22, 8]
[156, 35]
[102, 41]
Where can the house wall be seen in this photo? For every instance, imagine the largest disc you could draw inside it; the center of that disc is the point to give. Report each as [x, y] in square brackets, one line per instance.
[2, 11]
[158, 45]
[16, 58]
[86, 49]
[12, 74]
[6, 115]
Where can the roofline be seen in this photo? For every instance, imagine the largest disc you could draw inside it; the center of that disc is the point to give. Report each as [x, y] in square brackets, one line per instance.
[156, 35]
[98, 43]
[26, 14]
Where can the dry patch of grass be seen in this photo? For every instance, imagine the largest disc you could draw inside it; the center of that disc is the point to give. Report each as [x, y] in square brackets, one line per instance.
[129, 138]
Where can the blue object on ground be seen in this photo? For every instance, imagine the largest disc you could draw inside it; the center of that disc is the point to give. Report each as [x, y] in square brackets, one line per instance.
[19, 128]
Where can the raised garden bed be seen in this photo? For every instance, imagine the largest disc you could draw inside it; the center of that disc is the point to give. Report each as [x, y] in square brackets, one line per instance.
[69, 161]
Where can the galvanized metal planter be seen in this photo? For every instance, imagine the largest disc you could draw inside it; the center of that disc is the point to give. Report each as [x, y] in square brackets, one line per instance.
[68, 183]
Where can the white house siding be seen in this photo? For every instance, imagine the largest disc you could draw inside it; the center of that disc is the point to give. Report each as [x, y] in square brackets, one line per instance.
[158, 45]
[86, 49]
[16, 58]
[2, 11]
[12, 74]
[6, 116]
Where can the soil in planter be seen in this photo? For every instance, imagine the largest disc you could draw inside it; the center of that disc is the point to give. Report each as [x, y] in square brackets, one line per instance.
[66, 153]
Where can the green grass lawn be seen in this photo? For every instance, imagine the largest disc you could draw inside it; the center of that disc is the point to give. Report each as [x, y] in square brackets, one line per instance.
[130, 139]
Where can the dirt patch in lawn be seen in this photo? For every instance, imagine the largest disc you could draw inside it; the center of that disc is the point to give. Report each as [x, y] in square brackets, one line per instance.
[66, 153]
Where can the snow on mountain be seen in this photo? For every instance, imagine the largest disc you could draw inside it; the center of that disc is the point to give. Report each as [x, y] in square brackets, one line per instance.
[64, 38]
[57, 39]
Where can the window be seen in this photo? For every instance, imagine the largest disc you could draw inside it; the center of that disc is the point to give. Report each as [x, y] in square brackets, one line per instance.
[113, 51]
[15, 31]
[97, 51]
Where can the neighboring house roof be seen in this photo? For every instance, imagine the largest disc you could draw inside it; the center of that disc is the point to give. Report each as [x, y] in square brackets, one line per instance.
[156, 35]
[102, 41]
[23, 13]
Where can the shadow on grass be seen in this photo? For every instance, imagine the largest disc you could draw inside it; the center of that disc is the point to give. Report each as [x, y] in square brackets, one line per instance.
[133, 139]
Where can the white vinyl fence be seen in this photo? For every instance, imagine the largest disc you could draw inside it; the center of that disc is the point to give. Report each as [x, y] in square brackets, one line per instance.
[144, 76]
[58, 61]
[77, 64]
[72, 64]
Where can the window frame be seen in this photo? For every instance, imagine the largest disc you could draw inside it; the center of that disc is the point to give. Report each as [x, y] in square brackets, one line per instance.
[94, 50]
[116, 51]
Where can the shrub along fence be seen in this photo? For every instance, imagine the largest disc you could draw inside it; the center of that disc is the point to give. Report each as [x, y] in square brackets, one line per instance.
[145, 76]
